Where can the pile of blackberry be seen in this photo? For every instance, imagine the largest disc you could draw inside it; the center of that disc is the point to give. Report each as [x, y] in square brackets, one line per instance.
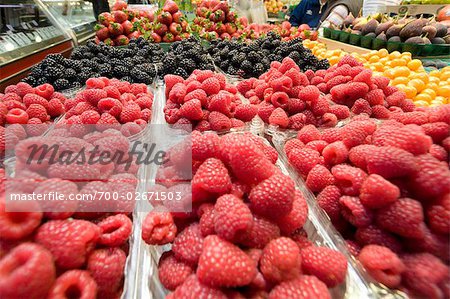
[253, 59]
[134, 63]
[184, 57]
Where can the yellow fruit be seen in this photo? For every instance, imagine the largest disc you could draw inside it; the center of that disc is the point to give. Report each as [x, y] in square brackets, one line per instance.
[421, 76]
[421, 103]
[398, 62]
[400, 80]
[444, 91]
[423, 97]
[433, 86]
[333, 60]
[383, 53]
[429, 91]
[417, 84]
[434, 79]
[414, 64]
[434, 73]
[445, 76]
[401, 71]
[389, 73]
[374, 59]
[395, 54]
[410, 92]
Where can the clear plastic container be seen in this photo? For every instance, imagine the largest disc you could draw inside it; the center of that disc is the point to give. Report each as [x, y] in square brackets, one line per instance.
[362, 284]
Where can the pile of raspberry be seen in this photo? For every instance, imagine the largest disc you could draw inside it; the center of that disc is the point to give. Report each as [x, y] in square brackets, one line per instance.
[243, 237]
[291, 99]
[386, 188]
[23, 104]
[71, 252]
[206, 101]
[111, 102]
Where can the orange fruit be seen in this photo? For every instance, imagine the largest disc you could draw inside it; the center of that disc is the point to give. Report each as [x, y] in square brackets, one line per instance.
[444, 91]
[423, 97]
[421, 103]
[422, 76]
[429, 91]
[400, 80]
[417, 84]
[410, 92]
[401, 71]
[414, 64]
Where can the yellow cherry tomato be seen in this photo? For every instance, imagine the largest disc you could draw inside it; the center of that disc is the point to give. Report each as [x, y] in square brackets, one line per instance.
[433, 86]
[429, 91]
[400, 80]
[389, 73]
[398, 62]
[445, 75]
[374, 59]
[422, 76]
[414, 64]
[383, 52]
[395, 54]
[434, 79]
[417, 84]
[444, 91]
[423, 97]
[410, 91]
[421, 103]
[434, 73]
[401, 71]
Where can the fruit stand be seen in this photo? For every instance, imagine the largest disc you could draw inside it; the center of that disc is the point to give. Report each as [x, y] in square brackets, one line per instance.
[184, 152]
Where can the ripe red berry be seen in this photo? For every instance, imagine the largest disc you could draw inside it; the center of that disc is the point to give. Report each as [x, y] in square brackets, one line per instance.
[76, 281]
[193, 288]
[172, 273]
[158, 228]
[188, 244]
[304, 287]
[377, 192]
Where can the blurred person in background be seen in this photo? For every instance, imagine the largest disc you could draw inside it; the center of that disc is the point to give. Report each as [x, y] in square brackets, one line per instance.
[100, 6]
[327, 13]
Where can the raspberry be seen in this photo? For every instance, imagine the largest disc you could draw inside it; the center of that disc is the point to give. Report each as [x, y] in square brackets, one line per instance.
[329, 120]
[396, 98]
[106, 267]
[353, 247]
[303, 159]
[158, 228]
[291, 144]
[317, 145]
[279, 117]
[349, 92]
[55, 107]
[308, 133]
[286, 64]
[23, 89]
[206, 219]
[95, 83]
[320, 107]
[309, 94]
[282, 85]
[361, 106]
[350, 60]
[297, 77]
[387, 161]
[375, 97]
[212, 177]
[318, 178]
[354, 212]
[37, 111]
[280, 260]
[265, 110]
[223, 264]
[440, 113]
[130, 112]
[77, 282]
[337, 80]
[273, 197]
[193, 85]
[304, 287]
[376, 192]
[202, 75]
[219, 121]
[17, 116]
[261, 233]
[247, 162]
[432, 178]
[331, 135]
[335, 153]
[188, 244]
[93, 96]
[16, 226]
[382, 264]
[204, 146]
[374, 235]
[297, 216]
[437, 131]
[380, 112]
[380, 81]
[127, 97]
[211, 86]
[328, 200]
[27, 271]
[111, 106]
[416, 117]
[198, 94]
[171, 80]
[236, 123]
[423, 273]
[409, 138]
[244, 86]
[404, 217]
[232, 217]
[280, 100]
[171, 272]
[69, 241]
[45, 90]
[112, 92]
[349, 179]
[191, 110]
[115, 230]
[90, 117]
[193, 288]
[439, 216]
[295, 105]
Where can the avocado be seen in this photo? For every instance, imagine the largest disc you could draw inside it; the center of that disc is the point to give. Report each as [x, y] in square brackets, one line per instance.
[382, 36]
[370, 27]
[415, 40]
[429, 31]
[394, 31]
[441, 29]
[395, 39]
[384, 27]
[412, 29]
[438, 41]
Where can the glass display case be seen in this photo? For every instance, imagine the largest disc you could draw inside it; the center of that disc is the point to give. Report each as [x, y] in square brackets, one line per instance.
[77, 15]
[28, 32]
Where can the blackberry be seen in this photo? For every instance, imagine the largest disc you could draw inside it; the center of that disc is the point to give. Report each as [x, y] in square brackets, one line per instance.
[105, 70]
[91, 64]
[247, 66]
[127, 53]
[53, 72]
[253, 47]
[253, 56]
[58, 58]
[37, 71]
[232, 70]
[92, 46]
[141, 77]
[74, 64]
[127, 78]
[115, 61]
[294, 56]
[76, 84]
[77, 53]
[41, 80]
[70, 74]
[120, 71]
[224, 65]
[61, 84]
[30, 80]
[114, 52]
[180, 72]
[89, 55]
[259, 69]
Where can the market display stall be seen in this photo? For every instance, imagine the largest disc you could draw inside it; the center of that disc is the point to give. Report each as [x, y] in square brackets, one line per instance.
[227, 159]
